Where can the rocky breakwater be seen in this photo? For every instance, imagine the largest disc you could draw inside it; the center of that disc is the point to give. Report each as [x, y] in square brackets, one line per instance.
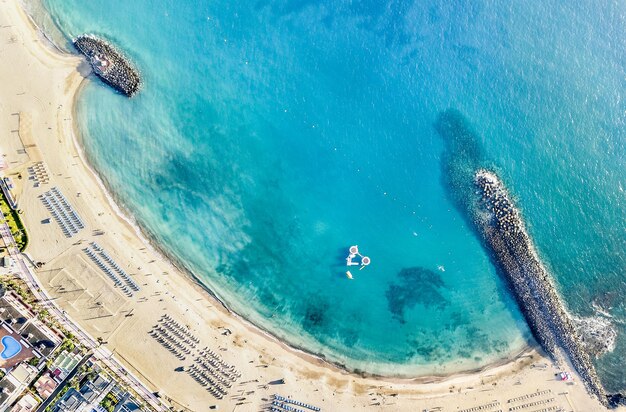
[505, 235]
[109, 64]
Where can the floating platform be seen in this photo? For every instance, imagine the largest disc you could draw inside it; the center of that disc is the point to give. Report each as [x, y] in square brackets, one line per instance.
[356, 259]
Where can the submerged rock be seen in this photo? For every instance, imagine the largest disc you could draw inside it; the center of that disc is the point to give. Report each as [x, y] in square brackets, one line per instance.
[416, 285]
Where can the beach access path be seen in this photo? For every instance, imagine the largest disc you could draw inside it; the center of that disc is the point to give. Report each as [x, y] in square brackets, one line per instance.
[39, 88]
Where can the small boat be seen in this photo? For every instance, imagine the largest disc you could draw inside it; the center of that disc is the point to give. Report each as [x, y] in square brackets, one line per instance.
[349, 275]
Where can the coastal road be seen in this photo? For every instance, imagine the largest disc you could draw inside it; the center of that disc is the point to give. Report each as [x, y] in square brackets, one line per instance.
[99, 353]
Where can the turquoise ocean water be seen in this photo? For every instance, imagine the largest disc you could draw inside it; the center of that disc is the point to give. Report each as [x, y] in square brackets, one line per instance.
[272, 135]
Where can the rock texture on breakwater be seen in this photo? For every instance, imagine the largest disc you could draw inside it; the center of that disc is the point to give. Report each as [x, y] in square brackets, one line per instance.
[504, 233]
[109, 64]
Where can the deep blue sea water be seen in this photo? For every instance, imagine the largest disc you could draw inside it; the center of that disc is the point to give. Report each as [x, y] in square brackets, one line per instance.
[272, 135]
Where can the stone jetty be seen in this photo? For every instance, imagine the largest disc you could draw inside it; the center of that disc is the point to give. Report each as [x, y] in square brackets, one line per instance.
[505, 235]
[109, 64]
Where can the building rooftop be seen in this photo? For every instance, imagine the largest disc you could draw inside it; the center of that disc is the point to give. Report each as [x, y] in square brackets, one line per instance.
[45, 386]
[6, 389]
[6, 262]
[85, 399]
[23, 373]
[127, 405]
[64, 363]
[38, 339]
[92, 389]
[70, 402]
[28, 403]
[11, 315]
[126, 402]
[22, 320]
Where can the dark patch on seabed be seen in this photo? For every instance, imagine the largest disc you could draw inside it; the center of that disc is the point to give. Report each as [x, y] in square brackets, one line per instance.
[316, 315]
[476, 341]
[462, 156]
[414, 286]
[431, 351]
[510, 249]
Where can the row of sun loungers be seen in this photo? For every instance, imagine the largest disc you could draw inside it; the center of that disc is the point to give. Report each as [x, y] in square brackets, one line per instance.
[62, 212]
[293, 402]
[207, 356]
[121, 272]
[225, 376]
[482, 407]
[170, 343]
[530, 405]
[284, 407]
[209, 368]
[179, 330]
[550, 409]
[108, 271]
[176, 335]
[38, 174]
[530, 395]
[209, 381]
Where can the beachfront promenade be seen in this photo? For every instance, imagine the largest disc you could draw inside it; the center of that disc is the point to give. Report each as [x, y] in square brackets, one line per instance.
[100, 353]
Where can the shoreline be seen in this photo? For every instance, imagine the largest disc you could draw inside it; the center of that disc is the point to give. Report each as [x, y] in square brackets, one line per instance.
[186, 277]
[149, 240]
[125, 215]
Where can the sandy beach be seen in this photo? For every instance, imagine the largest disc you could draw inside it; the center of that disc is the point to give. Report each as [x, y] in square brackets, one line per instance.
[37, 128]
